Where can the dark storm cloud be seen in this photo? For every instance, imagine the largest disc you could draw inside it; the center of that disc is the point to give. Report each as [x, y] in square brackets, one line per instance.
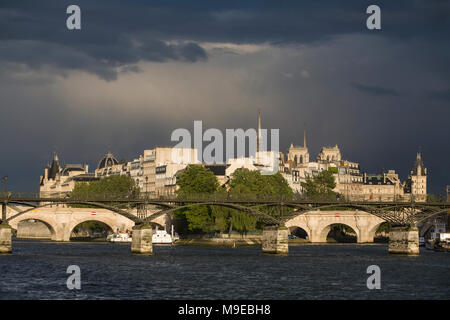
[400, 75]
[100, 60]
[440, 95]
[375, 90]
[119, 33]
[36, 35]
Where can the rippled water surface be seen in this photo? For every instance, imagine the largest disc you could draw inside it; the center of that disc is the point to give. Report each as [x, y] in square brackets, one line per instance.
[37, 270]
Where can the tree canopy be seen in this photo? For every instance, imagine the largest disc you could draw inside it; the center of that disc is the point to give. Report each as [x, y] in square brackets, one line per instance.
[431, 198]
[119, 187]
[244, 184]
[320, 186]
[196, 179]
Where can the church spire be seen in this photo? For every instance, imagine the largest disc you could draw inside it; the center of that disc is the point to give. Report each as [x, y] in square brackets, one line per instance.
[54, 168]
[304, 138]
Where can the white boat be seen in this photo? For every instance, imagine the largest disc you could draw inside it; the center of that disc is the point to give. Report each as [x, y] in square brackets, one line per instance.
[119, 237]
[159, 237]
[162, 237]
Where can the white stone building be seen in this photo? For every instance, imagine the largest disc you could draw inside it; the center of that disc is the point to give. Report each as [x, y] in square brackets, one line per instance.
[160, 167]
[58, 181]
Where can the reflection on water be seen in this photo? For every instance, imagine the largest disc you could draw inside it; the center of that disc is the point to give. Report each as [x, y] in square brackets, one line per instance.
[37, 270]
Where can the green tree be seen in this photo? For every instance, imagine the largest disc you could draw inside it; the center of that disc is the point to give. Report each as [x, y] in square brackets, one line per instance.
[197, 181]
[251, 184]
[432, 198]
[320, 186]
[113, 187]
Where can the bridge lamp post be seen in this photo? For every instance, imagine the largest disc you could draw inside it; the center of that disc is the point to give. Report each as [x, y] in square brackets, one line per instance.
[4, 179]
[146, 186]
[395, 192]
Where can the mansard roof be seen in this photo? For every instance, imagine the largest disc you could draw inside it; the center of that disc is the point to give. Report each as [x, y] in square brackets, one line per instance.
[71, 167]
[86, 177]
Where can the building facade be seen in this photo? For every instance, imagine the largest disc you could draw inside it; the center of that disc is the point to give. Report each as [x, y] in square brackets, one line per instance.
[351, 183]
[160, 167]
[59, 180]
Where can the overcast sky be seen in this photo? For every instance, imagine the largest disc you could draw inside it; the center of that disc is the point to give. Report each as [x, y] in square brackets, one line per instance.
[137, 70]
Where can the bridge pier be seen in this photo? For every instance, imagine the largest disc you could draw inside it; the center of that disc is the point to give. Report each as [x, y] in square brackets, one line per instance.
[5, 238]
[404, 240]
[365, 236]
[142, 239]
[275, 240]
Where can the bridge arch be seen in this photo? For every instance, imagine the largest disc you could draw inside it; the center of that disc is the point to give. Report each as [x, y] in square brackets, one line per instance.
[112, 225]
[300, 232]
[425, 228]
[107, 226]
[325, 230]
[15, 224]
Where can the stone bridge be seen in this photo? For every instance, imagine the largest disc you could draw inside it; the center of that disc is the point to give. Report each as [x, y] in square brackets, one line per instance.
[317, 224]
[61, 220]
[314, 217]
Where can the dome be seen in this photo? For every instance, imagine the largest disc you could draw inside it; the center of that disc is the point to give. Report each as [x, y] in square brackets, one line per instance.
[107, 161]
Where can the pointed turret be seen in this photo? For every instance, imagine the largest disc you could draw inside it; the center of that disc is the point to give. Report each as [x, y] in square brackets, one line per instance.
[419, 168]
[54, 168]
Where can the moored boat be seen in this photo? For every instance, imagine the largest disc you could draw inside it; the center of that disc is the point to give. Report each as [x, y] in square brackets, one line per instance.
[162, 237]
[159, 237]
[119, 237]
[442, 243]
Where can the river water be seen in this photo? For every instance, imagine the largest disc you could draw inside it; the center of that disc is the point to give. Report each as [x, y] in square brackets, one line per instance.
[37, 270]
